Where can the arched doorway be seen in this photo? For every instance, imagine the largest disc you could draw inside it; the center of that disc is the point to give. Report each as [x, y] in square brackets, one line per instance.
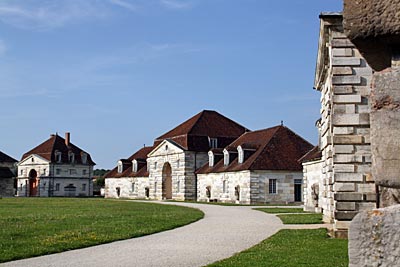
[167, 181]
[33, 183]
[237, 192]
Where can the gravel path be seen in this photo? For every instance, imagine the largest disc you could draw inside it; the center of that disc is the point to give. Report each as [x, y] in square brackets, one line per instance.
[224, 231]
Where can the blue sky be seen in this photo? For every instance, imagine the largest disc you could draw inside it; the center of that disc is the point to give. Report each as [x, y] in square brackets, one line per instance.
[119, 73]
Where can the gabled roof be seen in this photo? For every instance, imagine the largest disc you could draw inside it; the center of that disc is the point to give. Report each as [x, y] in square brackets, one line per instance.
[277, 148]
[55, 143]
[193, 134]
[312, 155]
[141, 157]
[4, 158]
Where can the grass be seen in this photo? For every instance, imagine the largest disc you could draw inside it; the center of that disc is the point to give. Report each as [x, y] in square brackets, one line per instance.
[281, 210]
[297, 216]
[293, 248]
[235, 204]
[315, 218]
[37, 226]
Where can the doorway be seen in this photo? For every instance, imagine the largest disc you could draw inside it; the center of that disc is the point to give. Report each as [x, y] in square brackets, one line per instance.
[33, 183]
[167, 181]
[298, 190]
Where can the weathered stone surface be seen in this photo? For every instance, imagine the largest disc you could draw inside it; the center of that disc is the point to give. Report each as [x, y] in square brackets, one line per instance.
[342, 43]
[348, 139]
[338, 80]
[342, 89]
[346, 206]
[351, 119]
[344, 187]
[342, 71]
[344, 99]
[385, 118]
[346, 61]
[348, 197]
[345, 215]
[348, 177]
[374, 237]
[342, 52]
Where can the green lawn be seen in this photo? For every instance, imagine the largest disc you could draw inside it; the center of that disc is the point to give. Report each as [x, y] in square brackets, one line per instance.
[282, 210]
[314, 218]
[36, 226]
[293, 248]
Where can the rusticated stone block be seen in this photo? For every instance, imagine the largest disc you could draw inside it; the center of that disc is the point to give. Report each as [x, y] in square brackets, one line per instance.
[346, 206]
[344, 149]
[338, 43]
[343, 130]
[342, 89]
[342, 71]
[350, 119]
[374, 238]
[346, 80]
[346, 99]
[346, 61]
[345, 215]
[348, 197]
[348, 177]
[342, 52]
[344, 187]
[348, 139]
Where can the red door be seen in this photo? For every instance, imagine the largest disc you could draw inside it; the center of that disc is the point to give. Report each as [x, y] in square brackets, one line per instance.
[33, 183]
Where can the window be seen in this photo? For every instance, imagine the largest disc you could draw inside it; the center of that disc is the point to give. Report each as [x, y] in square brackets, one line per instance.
[83, 187]
[226, 157]
[71, 157]
[224, 186]
[21, 172]
[155, 165]
[58, 156]
[84, 158]
[213, 142]
[120, 167]
[57, 187]
[240, 154]
[32, 159]
[155, 187]
[58, 171]
[72, 171]
[272, 186]
[178, 186]
[134, 166]
[178, 163]
[133, 187]
[84, 172]
[210, 159]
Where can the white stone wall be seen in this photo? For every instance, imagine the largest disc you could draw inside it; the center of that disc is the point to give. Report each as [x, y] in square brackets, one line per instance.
[254, 186]
[312, 176]
[50, 175]
[183, 165]
[130, 187]
[347, 185]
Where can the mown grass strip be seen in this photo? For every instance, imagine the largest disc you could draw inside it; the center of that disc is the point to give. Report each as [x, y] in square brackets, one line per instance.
[293, 248]
[37, 226]
[314, 218]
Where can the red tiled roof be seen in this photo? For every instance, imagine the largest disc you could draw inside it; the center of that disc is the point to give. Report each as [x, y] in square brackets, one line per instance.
[276, 148]
[193, 134]
[6, 158]
[140, 156]
[313, 154]
[55, 143]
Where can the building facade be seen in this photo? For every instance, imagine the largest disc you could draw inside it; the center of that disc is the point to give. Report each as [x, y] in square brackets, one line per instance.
[343, 78]
[55, 168]
[259, 167]
[7, 175]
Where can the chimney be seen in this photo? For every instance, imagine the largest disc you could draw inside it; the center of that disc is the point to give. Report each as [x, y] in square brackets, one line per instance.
[67, 138]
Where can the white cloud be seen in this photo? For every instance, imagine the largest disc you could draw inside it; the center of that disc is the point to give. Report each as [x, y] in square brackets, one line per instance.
[3, 47]
[125, 4]
[48, 15]
[176, 4]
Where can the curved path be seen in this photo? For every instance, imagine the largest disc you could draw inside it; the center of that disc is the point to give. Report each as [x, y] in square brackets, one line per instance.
[224, 231]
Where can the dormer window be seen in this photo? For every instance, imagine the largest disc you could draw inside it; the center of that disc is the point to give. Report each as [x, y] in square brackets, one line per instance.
[226, 157]
[84, 158]
[210, 159]
[213, 142]
[240, 154]
[58, 156]
[120, 167]
[71, 157]
[134, 165]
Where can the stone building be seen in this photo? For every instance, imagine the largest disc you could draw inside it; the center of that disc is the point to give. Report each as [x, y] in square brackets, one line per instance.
[258, 167]
[343, 78]
[130, 179]
[55, 168]
[175, 156]
[7, 175]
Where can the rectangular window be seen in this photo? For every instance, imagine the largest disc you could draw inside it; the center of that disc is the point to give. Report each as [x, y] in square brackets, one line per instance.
[84, 172]
[22, 172]
[83, 187]
[58, 171]
[72, 171]
[213, 142]
[272, 186]
[298, 181]
[57, 187]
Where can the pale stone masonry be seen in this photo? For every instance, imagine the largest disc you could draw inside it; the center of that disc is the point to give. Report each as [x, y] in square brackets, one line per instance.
[55, 168]
[343, 77]
[7, 175]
